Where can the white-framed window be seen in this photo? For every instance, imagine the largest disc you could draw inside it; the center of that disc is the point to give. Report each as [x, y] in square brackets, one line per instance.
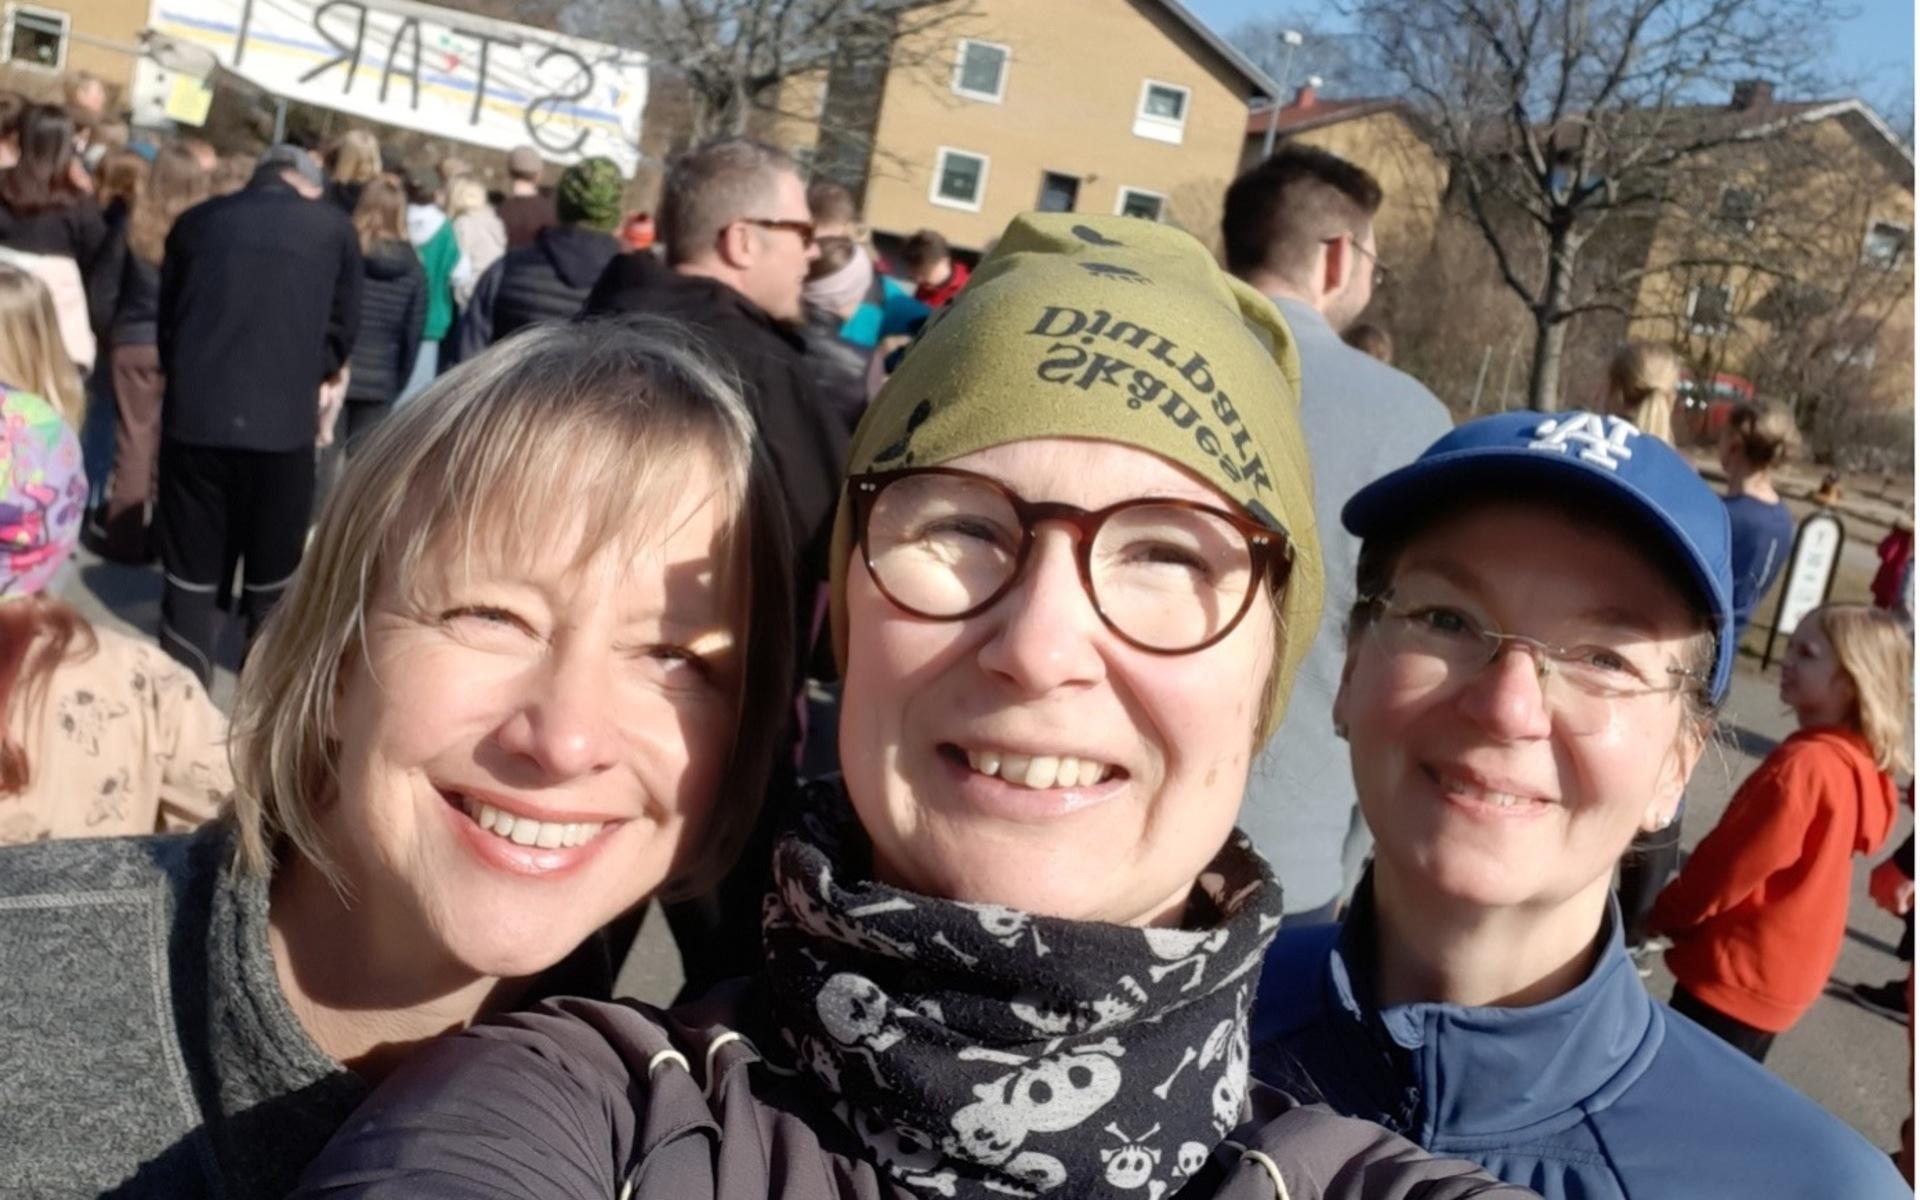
[1162, 114]
[1886, 245]
[980, 70]
[1739, 209]
[1138, 202]
[36, 37]
[959, 179]
[1710, 308]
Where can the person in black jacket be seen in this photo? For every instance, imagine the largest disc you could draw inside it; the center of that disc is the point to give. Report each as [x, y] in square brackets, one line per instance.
[393, 309]
[739, 240]
[259, 302]
[548, 280]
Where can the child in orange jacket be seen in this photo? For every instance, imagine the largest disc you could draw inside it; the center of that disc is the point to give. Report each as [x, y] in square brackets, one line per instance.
[1758, 912]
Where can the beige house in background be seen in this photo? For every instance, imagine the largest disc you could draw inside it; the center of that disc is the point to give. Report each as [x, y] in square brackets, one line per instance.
[1381, 136]
[1093, 106]
[42, 42]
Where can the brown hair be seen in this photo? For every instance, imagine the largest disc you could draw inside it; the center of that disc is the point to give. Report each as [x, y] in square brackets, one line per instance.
[1643, 381]
[176, 184]
[122, 177]
[33, 357]
[1764, 431]
[924, 249]
[1371, 340]
[832, 204]
[231, 175]
[1279, 212]
[43, 178]
[1875, 649]
[713, 185]
[591, 421]
[37, 634]
[380, 216]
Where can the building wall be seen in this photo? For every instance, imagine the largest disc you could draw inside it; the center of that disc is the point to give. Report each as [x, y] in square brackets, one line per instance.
[1820, 224]
[1412, 177]
[118, 21]
[1072, 89]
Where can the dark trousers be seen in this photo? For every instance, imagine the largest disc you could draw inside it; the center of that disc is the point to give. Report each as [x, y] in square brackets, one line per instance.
[217, 507]
[137, 387]
[1754, 1043]
[1649, 864]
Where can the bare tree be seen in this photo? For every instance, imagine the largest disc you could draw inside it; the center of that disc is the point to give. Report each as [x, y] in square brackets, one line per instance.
[1569, 125]
[747, 59]
[1344, 60]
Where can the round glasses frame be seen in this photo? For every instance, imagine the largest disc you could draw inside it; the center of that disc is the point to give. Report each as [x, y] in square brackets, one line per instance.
[1269, 552]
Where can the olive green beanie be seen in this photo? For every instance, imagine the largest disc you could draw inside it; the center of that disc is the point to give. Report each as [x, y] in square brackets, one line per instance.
[589, 194]
[1121, 330]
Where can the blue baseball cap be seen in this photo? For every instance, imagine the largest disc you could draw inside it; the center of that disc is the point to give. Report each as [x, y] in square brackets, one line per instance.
[1600, 459]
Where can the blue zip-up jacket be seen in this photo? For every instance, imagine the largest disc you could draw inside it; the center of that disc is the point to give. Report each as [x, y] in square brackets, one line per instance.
[1601, 1092]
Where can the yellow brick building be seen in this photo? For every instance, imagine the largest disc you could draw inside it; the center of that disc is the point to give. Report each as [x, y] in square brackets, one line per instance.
[40, 43]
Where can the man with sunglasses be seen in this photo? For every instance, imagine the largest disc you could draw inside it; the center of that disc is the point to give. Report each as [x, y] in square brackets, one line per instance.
[1299, 227]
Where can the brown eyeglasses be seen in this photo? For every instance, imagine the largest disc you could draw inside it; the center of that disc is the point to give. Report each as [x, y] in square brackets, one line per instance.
[1167, 575]
[803, 228]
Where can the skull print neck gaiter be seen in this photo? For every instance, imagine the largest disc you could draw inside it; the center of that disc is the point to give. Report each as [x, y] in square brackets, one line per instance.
[983, 1052]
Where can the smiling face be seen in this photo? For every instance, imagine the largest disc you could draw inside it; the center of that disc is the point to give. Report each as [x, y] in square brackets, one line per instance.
[1812, 681]
[1476, 790]
[526, 746]
[956, 737]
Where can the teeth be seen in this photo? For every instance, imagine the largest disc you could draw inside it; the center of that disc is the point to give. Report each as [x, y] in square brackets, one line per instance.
[1040, 772]
[524, 831]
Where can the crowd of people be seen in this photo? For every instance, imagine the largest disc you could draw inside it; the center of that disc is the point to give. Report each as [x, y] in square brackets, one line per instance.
[1224, 775]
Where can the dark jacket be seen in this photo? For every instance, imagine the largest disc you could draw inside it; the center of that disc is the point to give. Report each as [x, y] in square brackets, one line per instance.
[77, 230]
[259, 301]
[582, 1099]
[136, 313]
[806, 438]
[1601, 1092]
[836, 366]
[547, 281]
[525, 216]
[393, 312]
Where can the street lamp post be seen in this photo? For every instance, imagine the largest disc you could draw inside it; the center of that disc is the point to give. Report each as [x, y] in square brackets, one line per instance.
[1292, 39]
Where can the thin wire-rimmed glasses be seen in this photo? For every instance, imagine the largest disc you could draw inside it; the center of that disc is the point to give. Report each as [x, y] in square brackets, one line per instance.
[1167, 575]
[1582, 684]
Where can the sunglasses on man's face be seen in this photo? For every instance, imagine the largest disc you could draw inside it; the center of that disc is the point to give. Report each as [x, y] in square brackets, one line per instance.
[803, 228]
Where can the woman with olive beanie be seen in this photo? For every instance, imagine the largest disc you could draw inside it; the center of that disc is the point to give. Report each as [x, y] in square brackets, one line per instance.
[549, 280]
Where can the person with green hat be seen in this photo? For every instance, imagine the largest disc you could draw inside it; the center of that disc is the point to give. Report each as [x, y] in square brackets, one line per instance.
[1011, 952]
[549, 280]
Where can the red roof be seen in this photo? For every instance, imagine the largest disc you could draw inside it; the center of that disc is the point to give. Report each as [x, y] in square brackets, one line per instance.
[1296, 117]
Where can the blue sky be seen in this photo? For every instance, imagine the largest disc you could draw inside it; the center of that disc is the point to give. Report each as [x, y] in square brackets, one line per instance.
[1875, 46]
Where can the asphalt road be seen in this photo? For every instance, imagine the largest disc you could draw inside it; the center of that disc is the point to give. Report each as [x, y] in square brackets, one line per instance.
[1847, 1058]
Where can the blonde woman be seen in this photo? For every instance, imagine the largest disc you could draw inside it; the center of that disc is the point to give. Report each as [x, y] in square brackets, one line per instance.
[103, 734]
[352, 162]
[393, 308]
[1758, 913]
[539, 636]
[1643, 381]
[478, 230]
[33, 358]
[177, 182]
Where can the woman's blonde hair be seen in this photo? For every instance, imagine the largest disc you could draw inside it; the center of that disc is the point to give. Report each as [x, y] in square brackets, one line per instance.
[354, 157]
[33, 357]
[1875, 649]
[464, 194]
[1644, 380]
[568, 425]
[380, 216]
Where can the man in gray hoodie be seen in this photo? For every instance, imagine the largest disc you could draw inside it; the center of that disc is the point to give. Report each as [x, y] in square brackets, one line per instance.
[1299, 227]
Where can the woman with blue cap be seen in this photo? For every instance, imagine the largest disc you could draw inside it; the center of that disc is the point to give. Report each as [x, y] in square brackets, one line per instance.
[1542, 635]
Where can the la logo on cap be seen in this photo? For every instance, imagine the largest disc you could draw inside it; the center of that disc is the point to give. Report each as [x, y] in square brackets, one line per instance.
[1600, 440]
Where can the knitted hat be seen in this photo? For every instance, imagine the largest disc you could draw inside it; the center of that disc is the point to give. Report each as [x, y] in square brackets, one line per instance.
[589, 194]
[43, 492]
[1121, 330]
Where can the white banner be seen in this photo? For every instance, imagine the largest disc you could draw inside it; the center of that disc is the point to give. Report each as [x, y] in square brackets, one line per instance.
[442, 72]
[1816, 555]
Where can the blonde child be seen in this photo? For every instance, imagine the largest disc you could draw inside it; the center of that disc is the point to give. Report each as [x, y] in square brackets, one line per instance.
[32, 356]
[1758, 913]
[1643, 381]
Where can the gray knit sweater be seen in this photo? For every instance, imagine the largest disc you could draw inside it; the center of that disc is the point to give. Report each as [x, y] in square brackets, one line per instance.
[145, 1046]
